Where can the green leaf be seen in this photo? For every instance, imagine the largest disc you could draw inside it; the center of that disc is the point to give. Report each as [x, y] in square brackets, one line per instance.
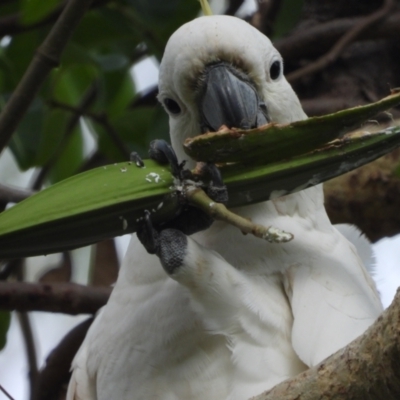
[35, 10]
[53, 130]
[86, 208]
[288, 17]
[69, 83]
[119, 91]
[109, 201]
[106, 30]
[26, 141]
[251, 184]
[5, 319]
[149, 18]
[19, 54]
[71, 157]
[275, 142]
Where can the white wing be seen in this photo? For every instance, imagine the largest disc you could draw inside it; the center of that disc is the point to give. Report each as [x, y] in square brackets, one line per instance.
[333, 300]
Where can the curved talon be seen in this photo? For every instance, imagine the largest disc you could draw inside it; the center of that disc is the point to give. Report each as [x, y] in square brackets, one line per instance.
[216, 190]
[147, 235]
[162, 152]
[135, 157]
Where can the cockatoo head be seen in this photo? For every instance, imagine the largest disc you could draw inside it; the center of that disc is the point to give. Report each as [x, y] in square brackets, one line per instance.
[219, 70]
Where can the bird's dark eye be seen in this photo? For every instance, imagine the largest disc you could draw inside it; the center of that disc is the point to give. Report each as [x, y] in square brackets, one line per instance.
[172, 106]
[275, 70]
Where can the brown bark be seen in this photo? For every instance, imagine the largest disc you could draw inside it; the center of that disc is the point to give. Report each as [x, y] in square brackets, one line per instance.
[68, 298]
[368, 197]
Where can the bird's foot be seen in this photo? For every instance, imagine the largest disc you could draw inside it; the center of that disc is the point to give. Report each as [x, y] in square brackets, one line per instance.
[169, 245]
[190, 219]
[216, 189]
[162, 152]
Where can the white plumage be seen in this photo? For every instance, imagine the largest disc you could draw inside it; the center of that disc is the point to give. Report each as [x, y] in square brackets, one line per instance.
[240, 315]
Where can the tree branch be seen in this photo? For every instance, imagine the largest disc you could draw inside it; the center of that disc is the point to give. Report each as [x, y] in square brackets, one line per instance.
[102, 119]
[4, 391]
[58, 364]
[233, 6]
[342, 43]
[314, 41]
[368, 368]
[198, 198]
[46, 58]
[11, 24]
[67, 298]
[11, 194]
[30, 348]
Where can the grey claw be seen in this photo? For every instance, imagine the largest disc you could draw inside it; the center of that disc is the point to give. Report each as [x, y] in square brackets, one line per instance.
[147, 235]
[134, 157]
[162, 152]
[216, 189]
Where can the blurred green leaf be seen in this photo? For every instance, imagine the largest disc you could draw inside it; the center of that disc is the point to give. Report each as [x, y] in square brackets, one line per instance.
[106, 30]
[70, 158]
[26, 140]
[5, 319]
[9, 8]
[19, 54]
[70, 83]
[288, 17]
[149, 18]
[35, 10]
[75, 53]
[134, 124]
[118, 91]
[54, 125]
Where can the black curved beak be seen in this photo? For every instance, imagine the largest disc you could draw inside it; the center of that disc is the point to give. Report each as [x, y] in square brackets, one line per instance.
[229, 98]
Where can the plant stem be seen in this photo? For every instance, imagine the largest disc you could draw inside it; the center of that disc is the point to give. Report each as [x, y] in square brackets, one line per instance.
[197, 197]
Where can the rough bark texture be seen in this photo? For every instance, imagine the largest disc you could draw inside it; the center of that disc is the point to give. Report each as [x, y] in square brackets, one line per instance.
[367, 369]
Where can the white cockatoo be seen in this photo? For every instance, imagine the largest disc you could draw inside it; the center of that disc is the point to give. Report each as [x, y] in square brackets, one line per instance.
[229, 315]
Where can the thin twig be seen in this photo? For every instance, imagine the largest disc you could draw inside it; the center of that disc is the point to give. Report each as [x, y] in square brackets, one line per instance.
[147, 98]
[342, 43]
[87, 100]
[14, 195]
[233, 7]
[6, 393]
[27, 334]
[197, 197]
[312, 41]
[67, 298]
[9, 268]
[46, 58]
[102, 119]
[155, 41]
[58, 363]
[30, 348]
[11, 24]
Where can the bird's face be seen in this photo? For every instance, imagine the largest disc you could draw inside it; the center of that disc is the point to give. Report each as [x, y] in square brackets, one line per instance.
[220, 71]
